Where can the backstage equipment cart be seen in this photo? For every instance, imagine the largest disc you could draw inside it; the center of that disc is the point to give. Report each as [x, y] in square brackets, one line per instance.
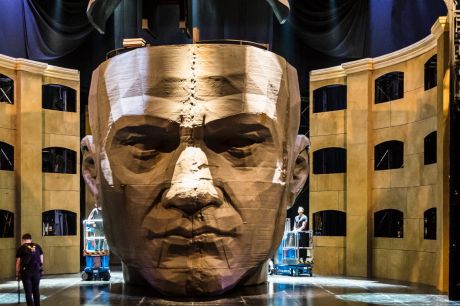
[295, 254]
[95, 248]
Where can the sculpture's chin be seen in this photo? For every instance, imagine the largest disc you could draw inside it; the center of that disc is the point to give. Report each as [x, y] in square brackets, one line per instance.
[188, 282]
[193, 282]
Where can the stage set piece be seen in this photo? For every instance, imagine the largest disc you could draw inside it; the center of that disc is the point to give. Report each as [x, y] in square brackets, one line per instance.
[195, 159]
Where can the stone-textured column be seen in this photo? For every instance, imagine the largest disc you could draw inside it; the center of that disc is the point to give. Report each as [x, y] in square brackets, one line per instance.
[359, 158]
[440, 29]
[28, 148]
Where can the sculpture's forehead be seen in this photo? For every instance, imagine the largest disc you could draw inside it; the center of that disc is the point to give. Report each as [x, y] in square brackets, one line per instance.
[191, 83]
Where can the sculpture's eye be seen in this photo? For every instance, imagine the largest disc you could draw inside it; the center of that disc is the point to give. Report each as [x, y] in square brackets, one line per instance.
[244, 140]
[145, 142]
[142, 146]
[239, 140]
[241, 145]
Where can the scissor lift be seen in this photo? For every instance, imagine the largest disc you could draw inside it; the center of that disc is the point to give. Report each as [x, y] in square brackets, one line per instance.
[95, 248]
[288, 259]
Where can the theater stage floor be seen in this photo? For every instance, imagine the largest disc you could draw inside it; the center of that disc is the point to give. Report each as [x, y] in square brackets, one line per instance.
[69, 290]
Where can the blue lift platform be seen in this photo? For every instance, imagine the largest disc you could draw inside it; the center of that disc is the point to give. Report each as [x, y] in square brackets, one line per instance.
[95, 248]
[294, 256]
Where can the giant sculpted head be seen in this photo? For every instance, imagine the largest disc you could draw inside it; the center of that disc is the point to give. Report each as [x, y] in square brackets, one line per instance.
[194, 159]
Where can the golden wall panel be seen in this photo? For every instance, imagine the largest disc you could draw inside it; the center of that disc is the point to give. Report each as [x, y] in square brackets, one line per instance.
[328, 182]
[7, 135]
[7, 116]
[412, 189]
[329, 241]
[381, 115]
[7, 180]
[335, 119]
[61, 199]
[429, 175]
[61, 181]
[62, 259]
[390, 198]
[7, 199]
[324, 200]
[29, 128]
[7, 268]
[419, 199]
[332, 260]
[63, 123]
[412, 167]
[326, 141]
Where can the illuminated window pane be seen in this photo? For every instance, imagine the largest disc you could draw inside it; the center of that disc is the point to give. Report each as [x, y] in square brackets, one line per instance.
[59, 97]
[431, 72]
[429, 153]
[59, 160]
[389, 87]
[330, 98]
[429, 224]
[6, 224]
[389, 155]
[330, 160]
[389, 223]
[59, 223]
[6, 156]
[6, 89]
[329, 223]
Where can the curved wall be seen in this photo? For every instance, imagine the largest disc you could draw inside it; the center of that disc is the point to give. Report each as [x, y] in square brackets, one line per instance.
[27, 191]
[362, 191]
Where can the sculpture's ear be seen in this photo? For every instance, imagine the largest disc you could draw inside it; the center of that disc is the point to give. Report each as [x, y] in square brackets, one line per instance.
[300, 169]
[89, 166]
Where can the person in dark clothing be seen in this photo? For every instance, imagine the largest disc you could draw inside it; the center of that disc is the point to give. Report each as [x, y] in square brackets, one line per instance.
[29, 263]
[301, 220]
[300, 225]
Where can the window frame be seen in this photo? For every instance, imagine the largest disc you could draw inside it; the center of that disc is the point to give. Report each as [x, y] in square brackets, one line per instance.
[321, 158]
[339, 220]
[73, 222]
[69, 98]
[394, 161]
[392, 86]
[393, 230]
[330, 98]
[73, 160]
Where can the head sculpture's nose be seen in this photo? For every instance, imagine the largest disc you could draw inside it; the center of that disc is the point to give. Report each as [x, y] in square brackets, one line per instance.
[192, 186]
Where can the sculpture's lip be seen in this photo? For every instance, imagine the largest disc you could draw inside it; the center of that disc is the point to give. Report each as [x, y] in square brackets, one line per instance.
[194, 233]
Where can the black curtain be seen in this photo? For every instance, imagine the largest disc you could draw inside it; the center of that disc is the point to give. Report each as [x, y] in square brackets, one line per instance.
[41, 29]
[334, 27]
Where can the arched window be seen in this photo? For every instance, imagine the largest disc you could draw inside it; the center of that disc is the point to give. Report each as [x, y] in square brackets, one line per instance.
[59, 97]
[389, 87]
[429, 153]
[429, 224]
[330, 160]
[59, 223]
[329, 223]
[389, 155]
[431, 72]
[330, 98]
[59, 160]
[6, 224]
[6, 156]
[389, 223]
[6, 89]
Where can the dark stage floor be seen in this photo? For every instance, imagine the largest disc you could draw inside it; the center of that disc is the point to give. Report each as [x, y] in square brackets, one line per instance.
[69, 290]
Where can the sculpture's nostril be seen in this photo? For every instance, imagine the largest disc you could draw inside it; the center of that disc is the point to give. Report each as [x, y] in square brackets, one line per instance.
[190, 206]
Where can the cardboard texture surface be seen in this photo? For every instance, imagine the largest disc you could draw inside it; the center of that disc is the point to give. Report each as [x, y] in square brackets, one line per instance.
[196, 159]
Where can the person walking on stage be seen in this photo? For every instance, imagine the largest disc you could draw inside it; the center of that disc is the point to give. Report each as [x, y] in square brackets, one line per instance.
[29, 263]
